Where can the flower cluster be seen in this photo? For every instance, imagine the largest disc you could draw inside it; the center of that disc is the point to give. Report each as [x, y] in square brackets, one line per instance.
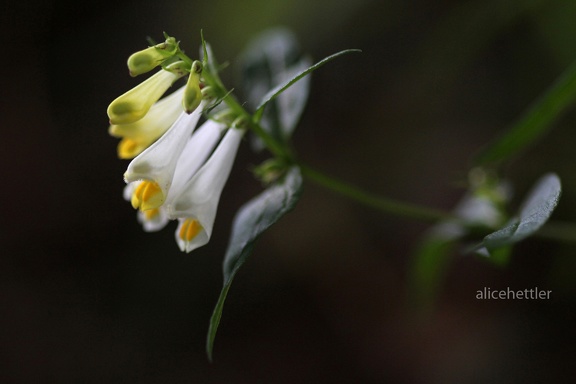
[178, 170]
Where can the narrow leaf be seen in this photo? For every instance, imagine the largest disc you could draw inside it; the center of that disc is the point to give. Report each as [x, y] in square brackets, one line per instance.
[272, 94]
[272, 58]
[282, 116]
[535, 211]
[250, 222]
[535, 122]
[291, 103]
[266, 56]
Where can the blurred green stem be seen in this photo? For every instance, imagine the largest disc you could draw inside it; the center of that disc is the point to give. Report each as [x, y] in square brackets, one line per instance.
[380, 203]
[536, 121]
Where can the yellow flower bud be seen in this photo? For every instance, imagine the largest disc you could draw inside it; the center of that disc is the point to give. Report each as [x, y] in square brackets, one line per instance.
[192, 93]
[139, 135]
[149, 58]
[134, 104]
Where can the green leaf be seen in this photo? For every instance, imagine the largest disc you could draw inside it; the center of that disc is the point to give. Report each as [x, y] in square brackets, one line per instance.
[271, 59]
[272, 94]
[290, 104]
[535, 211]
[250, 222]
[535, 122]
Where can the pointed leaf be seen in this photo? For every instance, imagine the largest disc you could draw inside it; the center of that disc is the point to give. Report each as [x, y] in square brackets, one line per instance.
[271, 59]
[283, 114]
[268, 55]
[291, 102]
[535, 122]
[535, 211]
[272, 94]
[250, 222]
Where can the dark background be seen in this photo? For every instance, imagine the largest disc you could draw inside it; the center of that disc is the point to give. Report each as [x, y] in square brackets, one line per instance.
[87, 297]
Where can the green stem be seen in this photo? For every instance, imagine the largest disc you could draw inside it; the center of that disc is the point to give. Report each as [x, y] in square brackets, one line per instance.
[530, 126]
[536, 121]
[380, 203]
[184, 57]
[222, 93]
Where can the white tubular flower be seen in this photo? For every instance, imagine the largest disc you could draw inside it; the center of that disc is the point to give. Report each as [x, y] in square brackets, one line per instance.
[196, 205]
[194, 155]
[152, 220]
[156, 165]
[138, 136]
[134, 104]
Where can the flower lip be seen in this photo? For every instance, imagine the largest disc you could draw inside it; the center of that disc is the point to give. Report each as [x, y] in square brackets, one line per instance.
[189, 230]
[129, 148]
[190, 235]
[147, 195]
[152, 220]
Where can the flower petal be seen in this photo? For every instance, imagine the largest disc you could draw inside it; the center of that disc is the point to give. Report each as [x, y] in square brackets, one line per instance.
[190, 235]
[200, 196]
[195, 153]
[158, 162]
[152, 220]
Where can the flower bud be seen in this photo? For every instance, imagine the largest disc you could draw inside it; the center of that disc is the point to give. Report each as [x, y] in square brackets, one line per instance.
[192, 93]
[139, 135]
[134, 104]
[149, 58]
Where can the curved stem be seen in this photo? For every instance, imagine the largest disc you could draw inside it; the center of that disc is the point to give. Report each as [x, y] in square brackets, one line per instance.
[271, 144]
[380, 203]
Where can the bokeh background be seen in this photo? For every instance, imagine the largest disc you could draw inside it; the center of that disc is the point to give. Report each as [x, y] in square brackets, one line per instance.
[87, 297]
